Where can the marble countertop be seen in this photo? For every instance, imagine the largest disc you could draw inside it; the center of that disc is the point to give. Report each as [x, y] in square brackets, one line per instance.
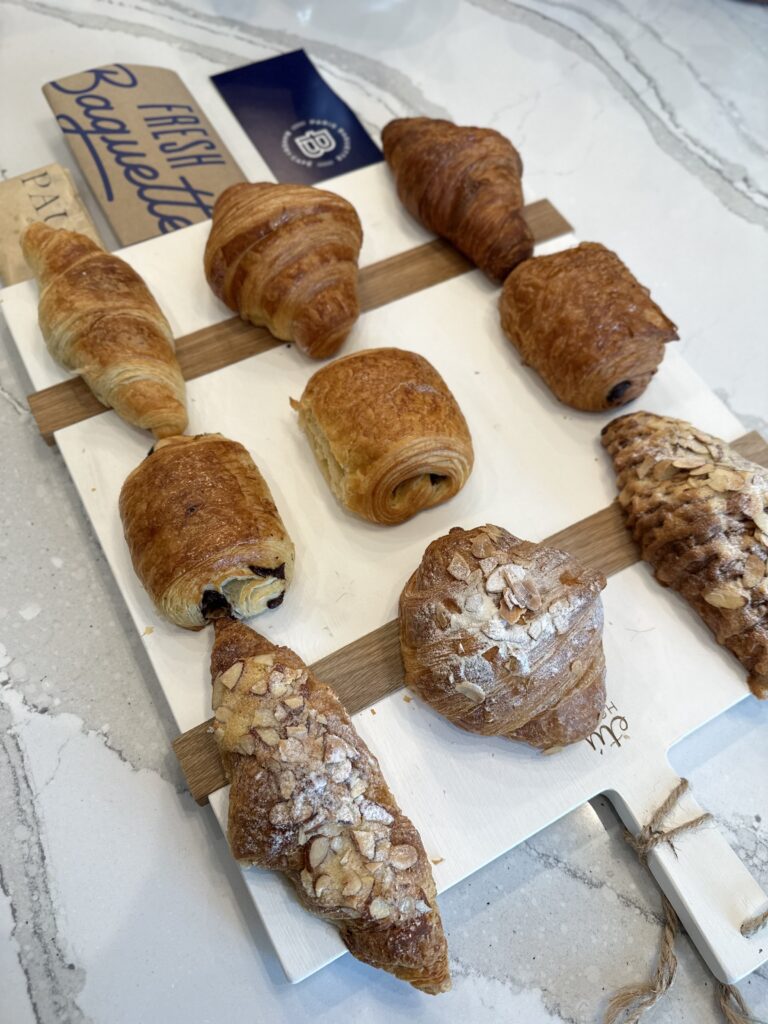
[646, 123]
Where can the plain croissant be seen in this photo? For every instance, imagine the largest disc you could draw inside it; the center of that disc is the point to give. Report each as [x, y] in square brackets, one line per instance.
[464, 184]
[99, 319]
[285, 256]
[307, 798]
[699, 512]
[504, 637]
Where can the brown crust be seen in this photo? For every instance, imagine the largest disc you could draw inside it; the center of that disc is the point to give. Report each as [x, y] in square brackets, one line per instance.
[504, 637]
[464, 184]
[586, 325]
[387, 433]
[197, 514]
[98, 318]
[699, 512]
[285, 256]
[308, 799]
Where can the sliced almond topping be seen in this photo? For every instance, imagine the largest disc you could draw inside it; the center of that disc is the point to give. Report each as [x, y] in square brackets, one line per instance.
[703, 470]
[290, 749]
[421, 907]
[352, 884]
[726, 596]
[694, 445]
[472, 691]
[723, 479]
[510, 615]
[280, 814]
[577, 667]
[487, 565]
[366, 843]
[223, 714]
[297, 731]
[338, 843]
[482, 546]
[663, 470]
[269, 736]
[403, 857]
[442, 617]
[510, 600]
[254, 676]
[688, 462]
[356, 786]
[643, 468]
[375, 812]
[232, 675]
[754, 570]
[340, 772]
[294, 703]
[246, 745]
[760, 519]
[458, 568]
[336, 750]
[324, 882]
[318, 851]
[287, 784]
[379, 908]
[262, 718]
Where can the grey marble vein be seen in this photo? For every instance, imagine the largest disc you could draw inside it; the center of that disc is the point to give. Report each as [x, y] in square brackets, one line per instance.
[694, 155]
[53, 980]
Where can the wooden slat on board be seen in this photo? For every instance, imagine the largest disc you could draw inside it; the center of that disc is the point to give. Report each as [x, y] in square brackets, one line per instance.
[371, 668]
[222, 344]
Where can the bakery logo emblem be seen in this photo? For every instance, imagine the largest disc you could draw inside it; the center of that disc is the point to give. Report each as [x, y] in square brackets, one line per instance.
[612, 731]
[316, 142]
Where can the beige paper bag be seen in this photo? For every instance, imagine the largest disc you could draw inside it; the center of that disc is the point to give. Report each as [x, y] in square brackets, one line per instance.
[149, 153]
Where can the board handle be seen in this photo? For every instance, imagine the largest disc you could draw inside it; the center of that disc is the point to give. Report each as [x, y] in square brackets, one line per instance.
[702, 876]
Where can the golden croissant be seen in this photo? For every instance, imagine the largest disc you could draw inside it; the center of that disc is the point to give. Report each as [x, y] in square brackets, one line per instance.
[285, 257]
[699, 512]
[307, 798]
[203, 531]
[98, 318]
[464, 184]
[504, 637]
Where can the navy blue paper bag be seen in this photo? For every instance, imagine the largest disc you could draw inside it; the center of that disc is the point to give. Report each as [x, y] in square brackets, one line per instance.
[302, 129]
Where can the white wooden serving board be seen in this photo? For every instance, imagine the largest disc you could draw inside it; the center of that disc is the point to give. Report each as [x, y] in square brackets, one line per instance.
[539, 467]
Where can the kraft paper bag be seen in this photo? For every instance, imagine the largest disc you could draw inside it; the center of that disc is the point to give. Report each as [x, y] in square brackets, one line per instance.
[153, 159]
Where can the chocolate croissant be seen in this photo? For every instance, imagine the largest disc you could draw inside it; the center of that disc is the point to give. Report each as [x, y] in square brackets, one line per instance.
[583, 322]
[307, 798]
[699, 512]
[203, 531]
[504, 637]
[387, 433]
[285, 256]
[99, 319]
[464, 184]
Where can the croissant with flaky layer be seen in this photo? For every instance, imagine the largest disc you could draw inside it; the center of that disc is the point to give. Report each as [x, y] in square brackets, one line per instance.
[203, 531]
[99, 319]
[307, 798]
[699, 512]
[504, 637]
[285, 257]
[464, 184]
[387, 433]
[586, 325]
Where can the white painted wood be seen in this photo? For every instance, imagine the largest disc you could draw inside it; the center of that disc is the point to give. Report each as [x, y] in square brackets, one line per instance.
[539, 467]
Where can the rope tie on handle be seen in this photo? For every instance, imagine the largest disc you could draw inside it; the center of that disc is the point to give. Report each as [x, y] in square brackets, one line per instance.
[630, 1003]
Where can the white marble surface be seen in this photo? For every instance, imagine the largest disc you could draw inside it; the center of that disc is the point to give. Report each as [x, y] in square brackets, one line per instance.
[647, 124]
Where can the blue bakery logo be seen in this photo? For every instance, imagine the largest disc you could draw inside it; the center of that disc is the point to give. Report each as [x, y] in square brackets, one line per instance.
[316, 142]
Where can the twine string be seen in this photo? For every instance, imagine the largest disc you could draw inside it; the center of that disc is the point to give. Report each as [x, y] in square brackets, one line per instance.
[631, 1002]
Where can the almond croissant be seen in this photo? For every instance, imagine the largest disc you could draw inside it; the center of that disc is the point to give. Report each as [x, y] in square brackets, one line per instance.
[99, 319]
[504, 637]
[464, 184]
[285, 256]
[307, 798]
[699, 512]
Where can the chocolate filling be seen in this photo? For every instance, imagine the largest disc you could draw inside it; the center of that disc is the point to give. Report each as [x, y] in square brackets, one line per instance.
[618, 391]
[435, 479]
[276, 601]
[262, 570]
[214, 605]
